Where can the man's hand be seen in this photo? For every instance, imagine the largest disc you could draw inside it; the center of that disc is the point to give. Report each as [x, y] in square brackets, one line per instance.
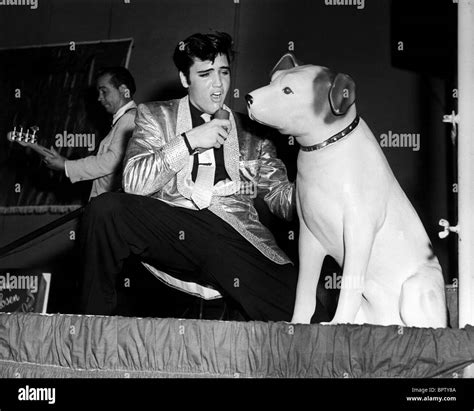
[54, 161]
[209, 135]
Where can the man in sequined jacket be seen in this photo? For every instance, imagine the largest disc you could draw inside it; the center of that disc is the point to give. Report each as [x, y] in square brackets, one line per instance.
[190, 181]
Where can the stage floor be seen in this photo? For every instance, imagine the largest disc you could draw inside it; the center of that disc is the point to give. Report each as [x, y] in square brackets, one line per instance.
[60, 345]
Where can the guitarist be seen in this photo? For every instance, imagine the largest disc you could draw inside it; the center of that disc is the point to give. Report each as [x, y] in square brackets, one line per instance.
[116, 87]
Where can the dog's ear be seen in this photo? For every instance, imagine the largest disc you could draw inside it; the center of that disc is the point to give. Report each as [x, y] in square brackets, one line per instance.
[288, 61]
[342, 94]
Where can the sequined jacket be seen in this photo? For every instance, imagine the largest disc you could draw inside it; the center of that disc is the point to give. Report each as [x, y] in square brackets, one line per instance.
[157, 163]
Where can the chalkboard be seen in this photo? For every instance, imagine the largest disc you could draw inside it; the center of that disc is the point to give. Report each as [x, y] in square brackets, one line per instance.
[24, 291]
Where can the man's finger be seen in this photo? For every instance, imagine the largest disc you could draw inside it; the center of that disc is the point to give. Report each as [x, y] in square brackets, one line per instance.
[53, 151]
[223, 133]
[221, 122]
[225, 124]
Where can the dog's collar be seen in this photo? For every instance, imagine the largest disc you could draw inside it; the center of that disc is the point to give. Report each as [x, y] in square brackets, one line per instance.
[334, 138]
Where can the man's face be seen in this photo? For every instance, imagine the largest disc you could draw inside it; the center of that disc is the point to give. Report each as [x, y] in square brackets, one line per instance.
[208, 83]
[109, 96]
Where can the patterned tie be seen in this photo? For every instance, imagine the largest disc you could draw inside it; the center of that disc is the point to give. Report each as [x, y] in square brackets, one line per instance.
[204, 184]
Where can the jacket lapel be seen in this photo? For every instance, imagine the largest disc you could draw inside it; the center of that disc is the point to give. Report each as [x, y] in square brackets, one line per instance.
[183, 124]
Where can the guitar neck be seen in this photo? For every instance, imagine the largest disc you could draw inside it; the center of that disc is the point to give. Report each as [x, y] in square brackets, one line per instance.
[40, 149]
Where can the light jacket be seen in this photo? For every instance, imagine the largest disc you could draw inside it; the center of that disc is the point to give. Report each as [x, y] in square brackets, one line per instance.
[105, 168]
[158, 164]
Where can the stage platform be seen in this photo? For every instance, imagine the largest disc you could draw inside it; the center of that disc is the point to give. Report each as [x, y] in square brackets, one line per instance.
[62, 346]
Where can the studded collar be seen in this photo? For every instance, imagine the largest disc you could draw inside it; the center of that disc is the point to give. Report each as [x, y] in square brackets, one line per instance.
[334, 138]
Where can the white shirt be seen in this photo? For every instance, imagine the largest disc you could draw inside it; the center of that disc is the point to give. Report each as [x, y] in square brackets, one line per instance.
[122, 110]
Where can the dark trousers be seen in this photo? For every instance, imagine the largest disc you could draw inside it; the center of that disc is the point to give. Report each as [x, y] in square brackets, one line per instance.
[190, 245]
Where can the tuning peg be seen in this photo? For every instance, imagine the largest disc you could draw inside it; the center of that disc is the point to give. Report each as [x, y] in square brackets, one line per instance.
[33, 136]
[20, 137]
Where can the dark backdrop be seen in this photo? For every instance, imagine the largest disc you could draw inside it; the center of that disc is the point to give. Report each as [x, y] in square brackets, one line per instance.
[56, 94]
[392, 96]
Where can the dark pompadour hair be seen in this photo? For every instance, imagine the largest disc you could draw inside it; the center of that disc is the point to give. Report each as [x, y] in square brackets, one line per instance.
[204, 47]
[119, 76]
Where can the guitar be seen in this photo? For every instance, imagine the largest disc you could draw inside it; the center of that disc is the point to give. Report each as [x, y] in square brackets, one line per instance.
[28, 140]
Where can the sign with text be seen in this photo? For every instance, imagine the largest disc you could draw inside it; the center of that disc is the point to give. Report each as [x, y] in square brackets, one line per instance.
[24, 291]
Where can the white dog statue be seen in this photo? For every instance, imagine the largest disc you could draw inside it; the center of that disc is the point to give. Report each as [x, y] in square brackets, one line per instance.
[350, 205]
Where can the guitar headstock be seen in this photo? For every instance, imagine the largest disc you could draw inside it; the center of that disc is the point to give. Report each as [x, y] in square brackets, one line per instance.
[28, 139]
[19, 136]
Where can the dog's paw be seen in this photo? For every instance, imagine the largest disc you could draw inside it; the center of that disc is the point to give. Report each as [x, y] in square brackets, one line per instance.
[300, 320]
[329, 323]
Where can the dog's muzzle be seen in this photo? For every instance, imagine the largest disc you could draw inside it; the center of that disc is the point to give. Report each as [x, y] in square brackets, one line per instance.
[249, 99]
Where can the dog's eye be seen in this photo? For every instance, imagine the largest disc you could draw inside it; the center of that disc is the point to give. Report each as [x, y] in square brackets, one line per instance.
[288, 90]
